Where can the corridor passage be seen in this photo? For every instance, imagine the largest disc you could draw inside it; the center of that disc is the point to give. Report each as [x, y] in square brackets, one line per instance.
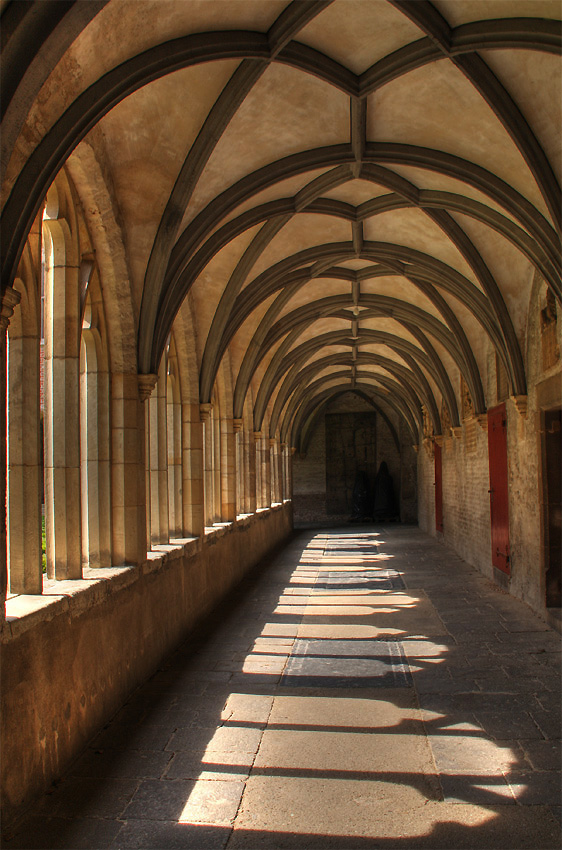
[365, 688]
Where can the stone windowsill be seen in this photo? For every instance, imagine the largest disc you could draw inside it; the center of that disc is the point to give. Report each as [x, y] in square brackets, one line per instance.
[217, 530]
[25, 611]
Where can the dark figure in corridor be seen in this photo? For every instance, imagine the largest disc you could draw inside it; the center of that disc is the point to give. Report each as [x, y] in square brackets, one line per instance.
[384, 502]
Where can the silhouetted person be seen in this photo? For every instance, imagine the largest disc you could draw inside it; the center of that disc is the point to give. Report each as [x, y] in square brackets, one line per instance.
[384, 502]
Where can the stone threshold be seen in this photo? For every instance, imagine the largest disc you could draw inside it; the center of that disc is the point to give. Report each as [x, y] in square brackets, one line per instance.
[74, 596]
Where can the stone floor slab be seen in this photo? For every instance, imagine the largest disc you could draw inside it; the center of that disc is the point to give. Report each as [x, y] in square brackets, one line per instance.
[298, 814]
[342, 753]
[397, 711]
[56, 833]
[159, 800]
[89, 797]
[225, 766]
[214, 802]
[543, 755]
[128, 764]
[346, 664]
[150, 835]
[464, 753]
[536, 787]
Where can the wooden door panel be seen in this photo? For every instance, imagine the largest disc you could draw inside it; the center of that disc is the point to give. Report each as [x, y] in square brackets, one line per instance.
[499, 505]
[438, 488]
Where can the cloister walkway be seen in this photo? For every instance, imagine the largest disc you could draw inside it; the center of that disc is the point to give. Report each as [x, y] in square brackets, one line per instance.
[365, 688]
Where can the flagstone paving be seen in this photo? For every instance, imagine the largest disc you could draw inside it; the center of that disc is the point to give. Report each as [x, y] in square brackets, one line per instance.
[365, 688]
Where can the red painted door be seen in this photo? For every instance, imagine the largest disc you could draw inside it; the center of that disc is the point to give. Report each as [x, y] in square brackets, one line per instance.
[499, 509]
[438, 489]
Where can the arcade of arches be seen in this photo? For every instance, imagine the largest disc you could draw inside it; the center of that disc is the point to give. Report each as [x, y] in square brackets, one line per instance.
[251, 250]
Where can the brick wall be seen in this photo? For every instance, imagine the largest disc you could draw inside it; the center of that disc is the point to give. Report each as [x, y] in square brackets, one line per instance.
[466, 503]
[426, 492]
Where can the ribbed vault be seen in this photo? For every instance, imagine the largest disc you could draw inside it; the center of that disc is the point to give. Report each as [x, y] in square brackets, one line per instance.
[349, 194]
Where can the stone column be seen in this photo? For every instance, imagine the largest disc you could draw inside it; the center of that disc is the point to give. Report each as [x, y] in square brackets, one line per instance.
[240, 470]
[9, 301]
[274, 470]
[104, 467]
[270, 451]
[206, 411]
[283, 470]
[24, 453]
[147, 478]
[192, 471]
[228, 471]
[95, 458]
[266, 472]
[158, 460]
[129, 391]
[63, 522]
[217, 484]
[258, 469]
[279, 471]
[251, 484]
[290, 454]
[174, 426]
[25, 484]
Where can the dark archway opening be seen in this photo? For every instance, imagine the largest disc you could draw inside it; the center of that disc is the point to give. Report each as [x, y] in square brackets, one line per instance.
[350, 441]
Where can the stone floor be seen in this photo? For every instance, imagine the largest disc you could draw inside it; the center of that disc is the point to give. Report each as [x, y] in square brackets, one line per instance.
[367, 689]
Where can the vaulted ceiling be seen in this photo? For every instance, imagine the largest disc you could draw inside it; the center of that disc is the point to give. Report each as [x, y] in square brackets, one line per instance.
[354, 193]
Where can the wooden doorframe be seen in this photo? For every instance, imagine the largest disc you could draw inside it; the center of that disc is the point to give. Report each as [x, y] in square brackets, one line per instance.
[438, 465]
[499, 488]
[550, 494]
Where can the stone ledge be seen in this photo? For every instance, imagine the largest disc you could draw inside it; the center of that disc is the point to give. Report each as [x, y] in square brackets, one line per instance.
[244, 520]
[73, 597]
[115, 577]
[263, 512]
[26, 612]
[217, 530]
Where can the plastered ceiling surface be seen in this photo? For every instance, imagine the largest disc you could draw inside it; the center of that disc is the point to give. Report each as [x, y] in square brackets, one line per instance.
[356, 192]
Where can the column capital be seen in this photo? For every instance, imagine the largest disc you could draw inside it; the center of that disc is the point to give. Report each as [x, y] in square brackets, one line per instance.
[272, 442]
[257, 436]
[429, 446]
[456, 431]
[520, 402]
[438, 439]
[482, 419]
[283, 446]
[237, 425]
[293, 451]
[10, 300]
[146, 385]
[205, 411]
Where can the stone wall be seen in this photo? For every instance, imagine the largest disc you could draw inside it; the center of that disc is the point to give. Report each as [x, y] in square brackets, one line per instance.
[426, 492]
[71, 657]
[408, 476]
[309, 480]
[466, 503]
